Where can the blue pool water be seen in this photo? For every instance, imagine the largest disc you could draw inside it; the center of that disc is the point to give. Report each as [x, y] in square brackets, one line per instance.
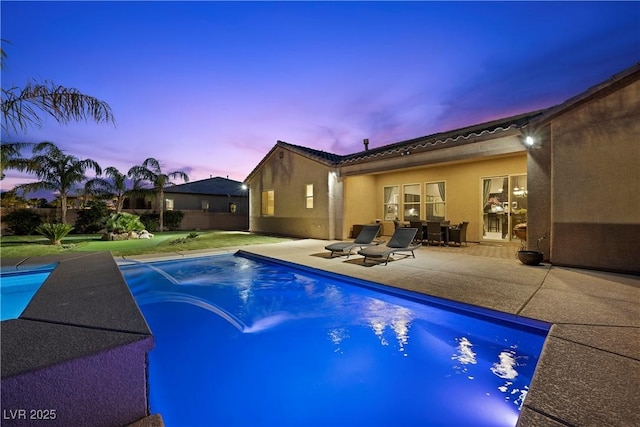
[246, 342]
[18, 287]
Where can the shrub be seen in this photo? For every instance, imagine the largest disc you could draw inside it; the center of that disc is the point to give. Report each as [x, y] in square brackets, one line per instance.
[173, 219]
[54, 232]
[92, 220]
[190, 236]
[151, 221]
[22, 222]
[124, 223]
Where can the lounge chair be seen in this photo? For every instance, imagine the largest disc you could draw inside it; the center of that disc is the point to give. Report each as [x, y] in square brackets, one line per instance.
[365, 238]
[400, 242]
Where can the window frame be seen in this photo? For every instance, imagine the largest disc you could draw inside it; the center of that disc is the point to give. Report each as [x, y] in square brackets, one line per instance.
[430, 206]
[385, 205]
[415, 204]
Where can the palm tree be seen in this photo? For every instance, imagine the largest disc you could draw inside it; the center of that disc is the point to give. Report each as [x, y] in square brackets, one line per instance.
[57, 171]
[151, 171]
[10, 157]
[115, 187]
[22, 107]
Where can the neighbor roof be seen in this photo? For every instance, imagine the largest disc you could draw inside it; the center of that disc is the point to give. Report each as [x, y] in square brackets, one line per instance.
[212, 186]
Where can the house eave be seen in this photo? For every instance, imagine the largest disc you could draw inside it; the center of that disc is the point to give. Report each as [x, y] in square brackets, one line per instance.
[487, 145]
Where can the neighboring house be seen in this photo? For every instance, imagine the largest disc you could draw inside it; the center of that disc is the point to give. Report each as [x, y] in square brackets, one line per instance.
[575, 181]
[214, 203]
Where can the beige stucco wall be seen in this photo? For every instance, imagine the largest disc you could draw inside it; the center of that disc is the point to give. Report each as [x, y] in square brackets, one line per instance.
[360, 202]
[287, 176]
[539, 198]
[364, 194]
[595, 193]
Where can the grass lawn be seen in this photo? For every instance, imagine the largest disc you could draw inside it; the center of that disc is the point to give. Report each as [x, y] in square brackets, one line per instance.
[171, 241]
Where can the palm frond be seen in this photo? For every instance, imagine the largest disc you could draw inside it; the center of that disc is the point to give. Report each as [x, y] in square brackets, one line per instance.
[22, 107]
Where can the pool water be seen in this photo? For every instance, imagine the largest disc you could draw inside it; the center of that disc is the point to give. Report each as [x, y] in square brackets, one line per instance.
[245, 342]
[17, 288]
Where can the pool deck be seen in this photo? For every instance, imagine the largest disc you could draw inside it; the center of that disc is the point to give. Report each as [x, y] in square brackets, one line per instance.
[589, 370]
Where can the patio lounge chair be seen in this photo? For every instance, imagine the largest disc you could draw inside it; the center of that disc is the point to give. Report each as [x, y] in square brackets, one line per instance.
[364, 239]
[400, 242]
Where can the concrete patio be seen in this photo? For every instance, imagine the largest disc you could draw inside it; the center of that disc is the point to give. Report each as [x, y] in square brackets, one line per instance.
[589, 370]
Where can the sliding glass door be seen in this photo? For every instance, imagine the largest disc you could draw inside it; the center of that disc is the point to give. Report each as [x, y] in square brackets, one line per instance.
[504, 204]
[518, 206]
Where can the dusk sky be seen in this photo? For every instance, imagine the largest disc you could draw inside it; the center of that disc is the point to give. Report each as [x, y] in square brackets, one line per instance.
[209, 87]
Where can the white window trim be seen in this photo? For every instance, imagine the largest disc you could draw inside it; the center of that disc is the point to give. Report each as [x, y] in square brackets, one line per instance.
[418, 203]
[443, 202]
[385, 204]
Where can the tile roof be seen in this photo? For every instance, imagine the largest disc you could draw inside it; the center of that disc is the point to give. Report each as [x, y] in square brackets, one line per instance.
[464, 135]
[461, 135]
[212, 186]
[625, 76]
[321, 156]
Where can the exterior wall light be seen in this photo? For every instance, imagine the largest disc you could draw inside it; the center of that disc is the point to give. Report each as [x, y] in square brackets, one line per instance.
[528, 140]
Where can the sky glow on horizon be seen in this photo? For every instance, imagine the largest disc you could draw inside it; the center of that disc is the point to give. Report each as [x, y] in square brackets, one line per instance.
[209, 87]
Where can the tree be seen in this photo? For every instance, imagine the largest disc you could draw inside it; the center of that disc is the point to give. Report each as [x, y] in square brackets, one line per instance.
[151, 171]
[115, 187]
[23, 107]
[57, 171]
[92, 218]
[10, 200]
[10, 157]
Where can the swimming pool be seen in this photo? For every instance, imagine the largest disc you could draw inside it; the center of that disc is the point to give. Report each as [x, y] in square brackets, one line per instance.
[246, 342]
[18, 287]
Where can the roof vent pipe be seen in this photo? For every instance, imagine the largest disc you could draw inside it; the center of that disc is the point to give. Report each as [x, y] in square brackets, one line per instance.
[366, 144]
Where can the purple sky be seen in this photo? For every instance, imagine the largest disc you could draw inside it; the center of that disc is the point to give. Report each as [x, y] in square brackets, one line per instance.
[209, 87]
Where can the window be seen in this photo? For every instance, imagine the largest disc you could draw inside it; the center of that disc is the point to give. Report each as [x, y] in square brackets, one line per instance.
[309, 196]
[436, 200]
[391, 203]
[267, 202]
[168, 203]
[204, 204]
[411, 200]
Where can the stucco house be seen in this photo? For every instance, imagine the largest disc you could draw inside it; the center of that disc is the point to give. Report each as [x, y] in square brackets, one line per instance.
[213, 203]
[570, 172]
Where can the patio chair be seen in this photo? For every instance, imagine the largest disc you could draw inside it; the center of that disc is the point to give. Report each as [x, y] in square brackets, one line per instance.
[365, 238]
[420, 234]
[401, 241]
[458, 234]
[435, 232]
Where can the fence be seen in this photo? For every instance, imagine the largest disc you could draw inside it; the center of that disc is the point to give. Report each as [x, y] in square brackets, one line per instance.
[193, 219]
